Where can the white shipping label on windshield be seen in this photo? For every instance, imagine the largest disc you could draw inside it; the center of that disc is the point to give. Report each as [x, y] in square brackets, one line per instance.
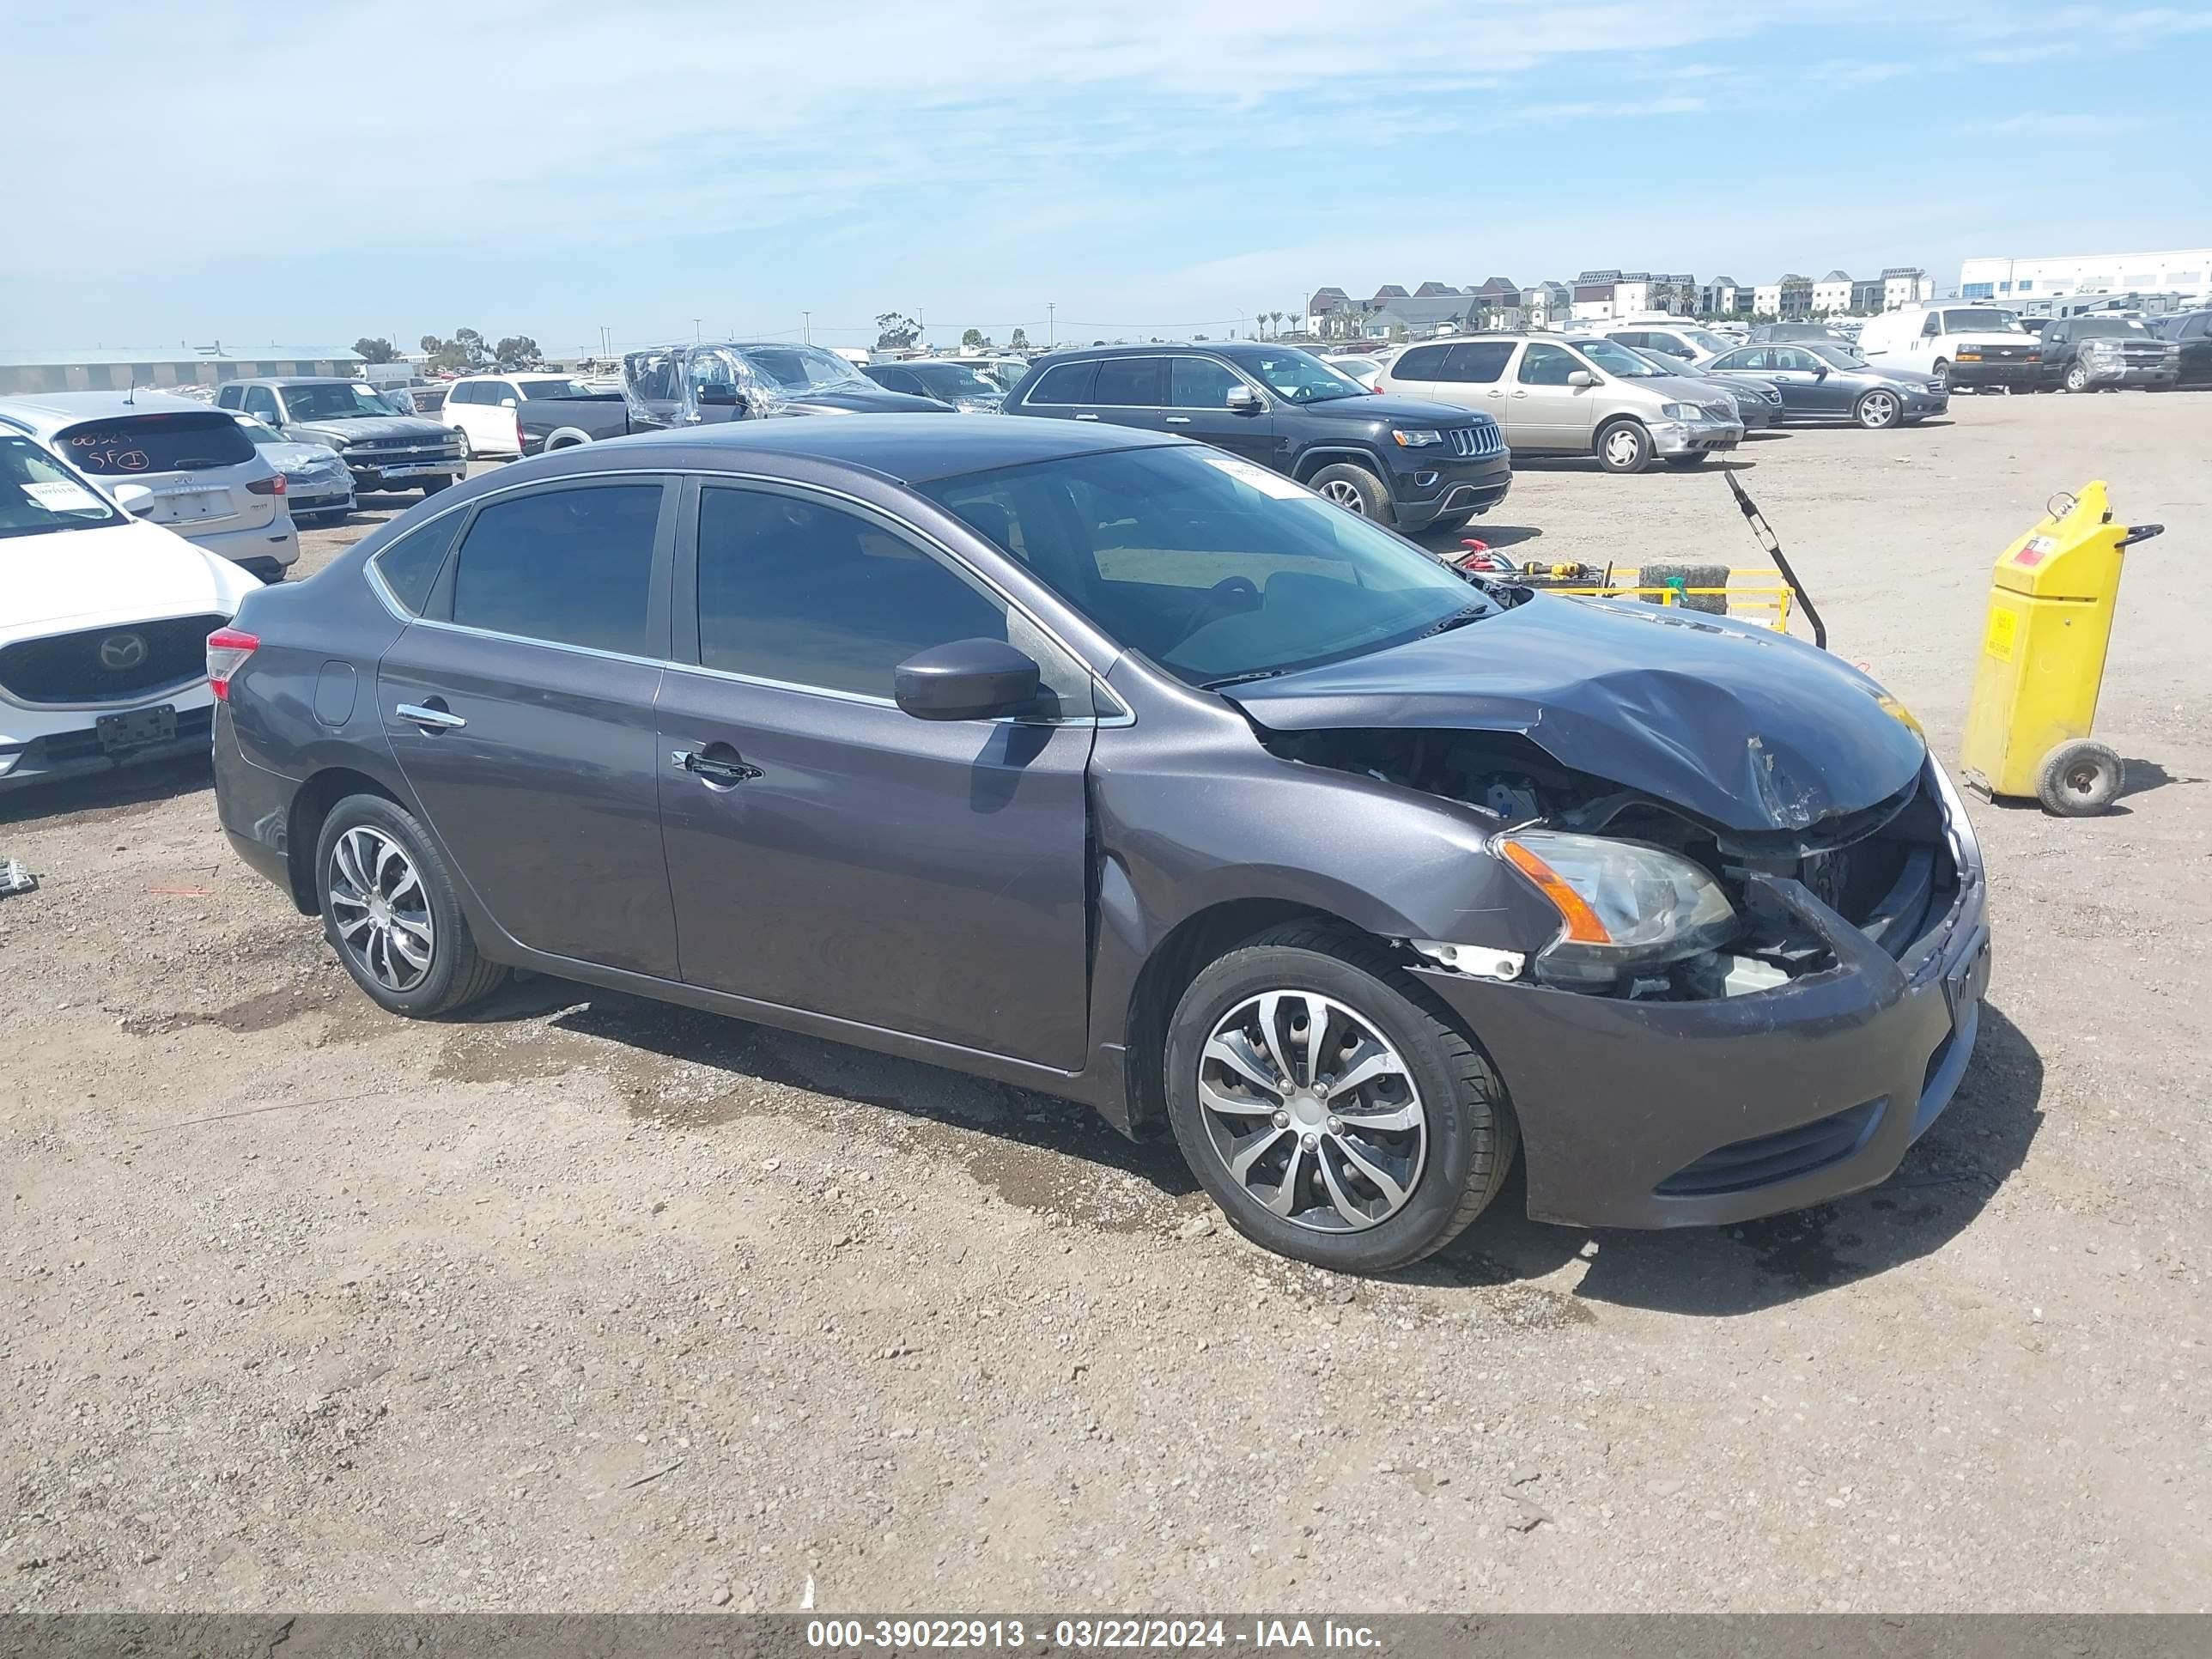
[1267, 483]
[60, 496]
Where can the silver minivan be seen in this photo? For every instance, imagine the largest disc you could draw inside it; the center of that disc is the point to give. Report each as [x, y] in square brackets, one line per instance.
[1572, 394]
[198, 470]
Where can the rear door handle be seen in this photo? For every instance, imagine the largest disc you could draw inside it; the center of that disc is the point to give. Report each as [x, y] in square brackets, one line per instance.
[715, 774]
[1178, 420]
[1086, 417]
[432, 720]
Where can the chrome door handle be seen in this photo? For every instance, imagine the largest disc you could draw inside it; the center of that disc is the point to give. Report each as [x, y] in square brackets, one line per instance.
[715, 774]
[433, 720]
[1178, 420]
[1086, 417]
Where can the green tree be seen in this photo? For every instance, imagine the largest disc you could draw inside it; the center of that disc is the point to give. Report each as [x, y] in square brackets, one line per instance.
[894, 332]
[474, 354]
[1019, 340]
[373, 350]
[517, 351]
[974, 340]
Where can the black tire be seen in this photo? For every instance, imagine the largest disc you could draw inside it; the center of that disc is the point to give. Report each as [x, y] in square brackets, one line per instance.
[1355, 490]
[1623, 447]
[458, 974]
[1943, 373]
[1684, 463]
[432, 486]
[1471, 1136]
[2076, 377]
[468, 445]
[2080, 779]
[1878, 411]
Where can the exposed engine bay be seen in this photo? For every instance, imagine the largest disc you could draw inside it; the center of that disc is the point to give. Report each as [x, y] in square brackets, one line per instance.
[1887, 869]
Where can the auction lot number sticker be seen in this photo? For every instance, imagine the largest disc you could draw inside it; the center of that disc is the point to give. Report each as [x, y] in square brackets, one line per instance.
[894, 1635]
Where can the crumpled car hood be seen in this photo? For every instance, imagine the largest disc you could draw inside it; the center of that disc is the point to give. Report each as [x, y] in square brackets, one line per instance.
[1733, 723]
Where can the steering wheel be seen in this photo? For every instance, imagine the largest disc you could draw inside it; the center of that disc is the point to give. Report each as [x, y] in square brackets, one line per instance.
[1229, 595]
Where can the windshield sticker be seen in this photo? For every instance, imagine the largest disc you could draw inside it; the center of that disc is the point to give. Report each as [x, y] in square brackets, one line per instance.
[60, 496]
[1267, 483]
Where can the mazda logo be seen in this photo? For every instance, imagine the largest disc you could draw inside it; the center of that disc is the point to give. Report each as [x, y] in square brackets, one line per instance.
[122, 652]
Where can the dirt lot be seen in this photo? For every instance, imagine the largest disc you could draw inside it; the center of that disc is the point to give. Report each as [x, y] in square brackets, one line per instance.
[590, 1303]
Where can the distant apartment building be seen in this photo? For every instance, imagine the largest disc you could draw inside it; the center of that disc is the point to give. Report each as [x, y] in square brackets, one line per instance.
[2185, 271]
[1602, 295]
[1789, 300]
[1904, 285]
[119, 370]
[1831, 294]
[1546, 304]
[1722, 297]
[1391, 314]
[1498, 304]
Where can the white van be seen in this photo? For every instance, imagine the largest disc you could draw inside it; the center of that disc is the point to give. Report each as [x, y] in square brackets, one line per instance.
[1961, 345]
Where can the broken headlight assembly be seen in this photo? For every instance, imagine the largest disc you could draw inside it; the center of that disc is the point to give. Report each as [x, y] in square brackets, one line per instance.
[1623, 905]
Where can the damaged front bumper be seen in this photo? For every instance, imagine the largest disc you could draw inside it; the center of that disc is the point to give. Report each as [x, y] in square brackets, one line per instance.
[1655, 1114]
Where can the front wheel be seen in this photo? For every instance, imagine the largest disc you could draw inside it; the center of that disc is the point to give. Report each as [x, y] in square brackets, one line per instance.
[1877, 410]
[2077, 376]
[1331, 1111]
[1355, 490]
[1623, 447]
[1943, 374]
[389, 912]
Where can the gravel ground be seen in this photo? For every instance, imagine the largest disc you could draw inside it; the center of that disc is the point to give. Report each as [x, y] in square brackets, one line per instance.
[589, 1303]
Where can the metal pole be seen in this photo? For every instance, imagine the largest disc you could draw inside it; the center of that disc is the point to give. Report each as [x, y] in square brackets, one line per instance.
[807, 326]
[1051, 326]
[695, 336]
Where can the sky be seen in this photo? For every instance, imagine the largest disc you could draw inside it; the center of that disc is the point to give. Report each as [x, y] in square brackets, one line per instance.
[1113, 168]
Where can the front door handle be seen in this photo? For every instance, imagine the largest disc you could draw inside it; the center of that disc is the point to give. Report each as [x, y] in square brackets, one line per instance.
[715, 774]
[1178, 420]
[431, 720]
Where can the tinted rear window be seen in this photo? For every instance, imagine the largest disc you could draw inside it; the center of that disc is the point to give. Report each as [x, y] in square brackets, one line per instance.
[1132, 382]
[572, 566]
[1063, 383]
[1421, 363]
[188, 441]
[1478, 362]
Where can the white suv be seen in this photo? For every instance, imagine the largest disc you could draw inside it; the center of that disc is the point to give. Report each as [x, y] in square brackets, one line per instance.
[103, 625]
[205, 479]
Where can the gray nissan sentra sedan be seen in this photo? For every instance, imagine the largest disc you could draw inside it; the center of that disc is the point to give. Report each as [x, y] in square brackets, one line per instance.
[1113, 766]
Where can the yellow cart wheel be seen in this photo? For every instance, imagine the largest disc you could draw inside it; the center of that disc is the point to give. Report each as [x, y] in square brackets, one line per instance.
[2080, 779]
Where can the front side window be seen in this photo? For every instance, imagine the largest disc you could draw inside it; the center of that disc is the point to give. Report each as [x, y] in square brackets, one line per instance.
[1547, 365]
[192, 441]
[1301, 377]
[261, 402]
[38, 494]
[1200, 383]
[534, 391]
[571, 566]
[1213, 568]
[809, 594]
[1741, 360]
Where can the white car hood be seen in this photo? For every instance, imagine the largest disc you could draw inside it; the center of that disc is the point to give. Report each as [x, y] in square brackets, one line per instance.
[128, 572]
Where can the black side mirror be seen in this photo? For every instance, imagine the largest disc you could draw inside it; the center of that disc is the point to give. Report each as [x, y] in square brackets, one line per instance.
[966, 680]
[719, 394]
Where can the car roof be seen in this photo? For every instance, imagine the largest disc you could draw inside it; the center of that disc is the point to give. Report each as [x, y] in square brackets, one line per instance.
[300, 380]
[910, 448]
[50, 411]
[1237, 350]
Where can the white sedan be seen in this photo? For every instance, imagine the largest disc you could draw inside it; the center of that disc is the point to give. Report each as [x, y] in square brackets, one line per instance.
[104, 622]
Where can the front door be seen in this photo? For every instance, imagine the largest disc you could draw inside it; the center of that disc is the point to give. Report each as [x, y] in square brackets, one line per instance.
[831, 854]
[1198, 395]
[520, 708]
[1824, 390]
[1543, 410]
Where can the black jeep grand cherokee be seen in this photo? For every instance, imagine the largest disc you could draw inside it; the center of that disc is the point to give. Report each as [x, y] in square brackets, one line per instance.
[1403, 461]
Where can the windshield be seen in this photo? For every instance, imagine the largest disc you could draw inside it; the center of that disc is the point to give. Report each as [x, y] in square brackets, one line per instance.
[1989, 320]
[951, 380]
[1214, 569]
[2110, 328]
[1300, 376]
[1617, 359]
[333, 400]
[39, 495]
[1839, 356]
[534, 390]
[799, 367]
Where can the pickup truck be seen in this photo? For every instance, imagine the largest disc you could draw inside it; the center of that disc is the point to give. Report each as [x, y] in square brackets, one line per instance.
[385, 450]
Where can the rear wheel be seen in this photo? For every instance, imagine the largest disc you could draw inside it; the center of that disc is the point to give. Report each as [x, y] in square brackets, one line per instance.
[1623, 447]
[389, 912]
[1877, 410]
[1355, 490]
[1329, 1108]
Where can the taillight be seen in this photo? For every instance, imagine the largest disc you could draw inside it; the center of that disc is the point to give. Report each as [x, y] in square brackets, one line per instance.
[228, 648]
[267, 486]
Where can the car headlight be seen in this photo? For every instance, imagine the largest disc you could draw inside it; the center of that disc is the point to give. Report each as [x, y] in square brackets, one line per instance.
[1416, 437]
[2102, 349]
[1621, 903]
[1681, 411]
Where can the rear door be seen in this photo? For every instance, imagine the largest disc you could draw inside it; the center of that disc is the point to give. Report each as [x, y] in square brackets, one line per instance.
[1132, 391]
[520, 708]
[199, 463]
[1474, 376]
[1197, 396]
[829, 852]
